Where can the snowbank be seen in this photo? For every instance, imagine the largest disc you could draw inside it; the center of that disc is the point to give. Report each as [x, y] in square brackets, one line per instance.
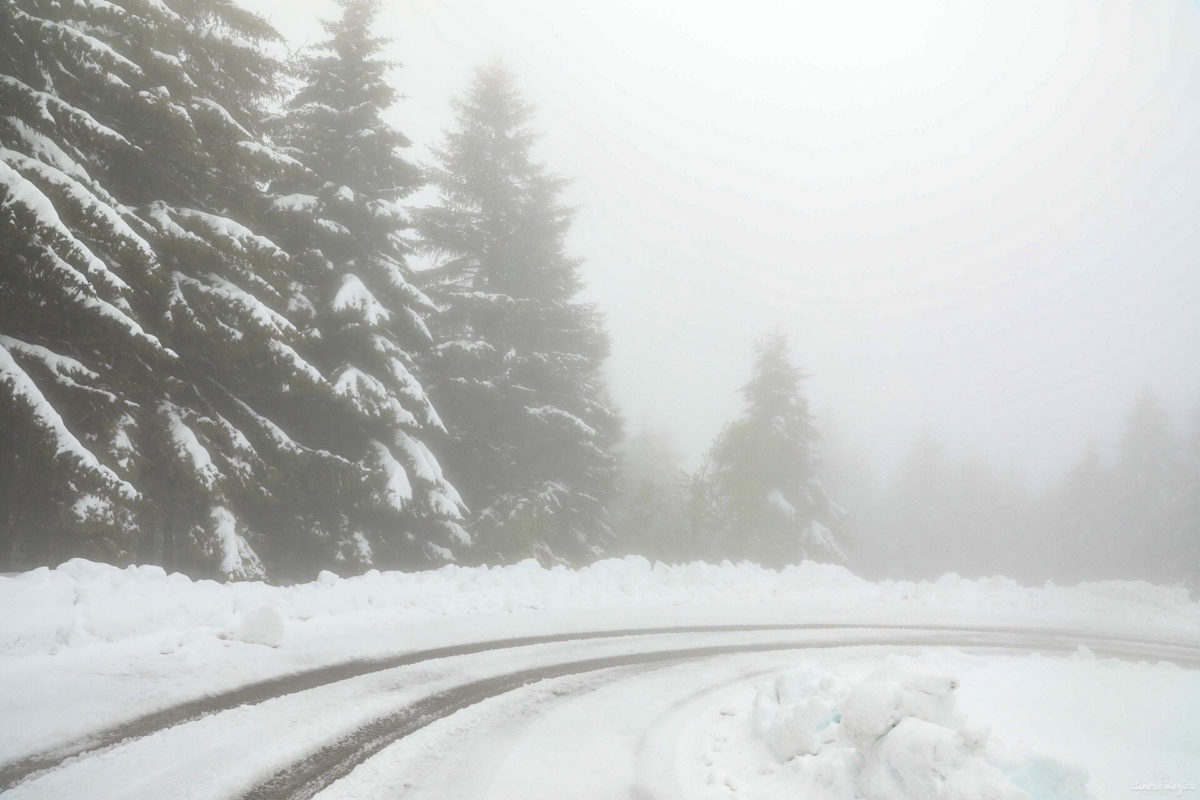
[83, 602]
[897, 735]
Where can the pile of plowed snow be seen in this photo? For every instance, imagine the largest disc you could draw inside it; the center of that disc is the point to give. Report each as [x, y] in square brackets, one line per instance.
[896, 735]
[83, 602]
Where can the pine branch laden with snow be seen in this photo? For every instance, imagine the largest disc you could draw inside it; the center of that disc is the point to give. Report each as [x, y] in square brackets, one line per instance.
[54, 264]
[212, 467]
[88, 493]
[353, 297]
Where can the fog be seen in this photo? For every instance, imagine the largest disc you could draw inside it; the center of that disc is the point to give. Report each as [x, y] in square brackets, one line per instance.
[862, 278]
[975, 217]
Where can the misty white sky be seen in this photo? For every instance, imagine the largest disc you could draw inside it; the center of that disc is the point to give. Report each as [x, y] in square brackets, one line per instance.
[983, 217]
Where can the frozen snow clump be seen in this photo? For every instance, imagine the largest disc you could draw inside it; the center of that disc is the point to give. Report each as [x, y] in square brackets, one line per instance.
[262, 625]
[895, 735]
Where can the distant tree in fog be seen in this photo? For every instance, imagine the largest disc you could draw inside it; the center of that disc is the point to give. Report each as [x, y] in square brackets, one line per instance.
[943, 514]
[992, 513]
[1146, 488]
[769, 505]
[649, 506]
[517, 373]
[914, 520]
[1138, 517]
[1078, 523]
[1184, 547]
[1135, 515]
[847, 473]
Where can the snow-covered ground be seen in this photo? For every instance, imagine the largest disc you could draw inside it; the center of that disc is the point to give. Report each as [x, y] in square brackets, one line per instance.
[1065, 728]
[85, 646]
[1061, 728]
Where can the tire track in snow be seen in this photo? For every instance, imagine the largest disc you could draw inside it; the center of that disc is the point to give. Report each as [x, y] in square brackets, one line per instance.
[650, 772]
[148, 724]
[322, 767]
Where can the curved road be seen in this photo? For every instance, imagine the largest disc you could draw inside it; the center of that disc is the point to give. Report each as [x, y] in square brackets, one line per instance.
[307, 730]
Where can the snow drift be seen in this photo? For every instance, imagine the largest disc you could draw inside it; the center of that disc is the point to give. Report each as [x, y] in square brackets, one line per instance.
[82, 602]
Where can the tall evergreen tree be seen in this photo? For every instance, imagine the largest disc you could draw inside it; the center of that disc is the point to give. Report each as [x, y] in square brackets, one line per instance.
[518, 368]
[343, 220]
[771, 507]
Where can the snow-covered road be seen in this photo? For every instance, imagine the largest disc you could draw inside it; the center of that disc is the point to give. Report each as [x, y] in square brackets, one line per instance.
[622, 680]
[683, 729]
[628, 697]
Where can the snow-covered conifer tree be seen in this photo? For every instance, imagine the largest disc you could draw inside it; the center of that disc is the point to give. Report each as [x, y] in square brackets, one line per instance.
[76, 363]
[155, 335]
[343, 221]
[518, 370]
[770, 506]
